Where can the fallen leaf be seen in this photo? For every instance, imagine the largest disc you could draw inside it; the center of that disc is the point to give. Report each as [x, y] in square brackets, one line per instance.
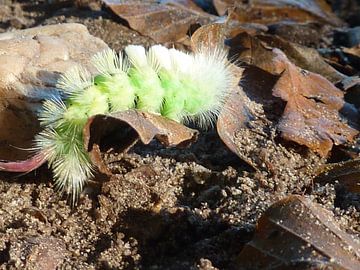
[315, 109]
[257, 50]
[234, 116]
[304, 57]
[123, 129]
[296, 233]
[163, 21]
[354, 51]
[31, 61]
[346, 173]
[310, 34]
[216, 33]
[27, 165]
[338, 59]
[269, 11]
[353, 56]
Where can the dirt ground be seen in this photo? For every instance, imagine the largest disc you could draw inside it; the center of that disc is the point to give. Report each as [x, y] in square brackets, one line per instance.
[164, 208]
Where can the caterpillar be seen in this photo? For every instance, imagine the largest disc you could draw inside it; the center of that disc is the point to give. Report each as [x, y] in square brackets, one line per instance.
[180, 86]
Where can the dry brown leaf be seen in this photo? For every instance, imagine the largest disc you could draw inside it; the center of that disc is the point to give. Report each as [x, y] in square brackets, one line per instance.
[347, 174]
[353, 51]
[269, 11]
[304, 57]
[257, 50]
[216, 33]
[124, 129]
[232, 118]
[312, 116]
[163, 21]
[353, 56]
[310, 34]
[295, 233]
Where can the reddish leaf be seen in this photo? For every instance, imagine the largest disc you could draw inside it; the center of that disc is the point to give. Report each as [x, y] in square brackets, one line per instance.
[24, 165]
[164, 21]
[124, 129]
[312, 116]
[268, 11]
[295, 233]
[304, 57]
[312, 113]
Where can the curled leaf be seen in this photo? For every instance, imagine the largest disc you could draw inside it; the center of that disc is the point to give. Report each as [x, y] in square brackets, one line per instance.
[123, 129]
[23, 165]
[232, 119]
[295, 233]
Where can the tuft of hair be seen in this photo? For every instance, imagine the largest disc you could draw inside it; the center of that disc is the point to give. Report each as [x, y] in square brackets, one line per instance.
[144, 76]
[66, 156]
[160, 55]
[52, 112]
[212, 80]
[74, 81]
[113, 80]
[109, 63]
[137, 56]
[174, 94]
[181, 61]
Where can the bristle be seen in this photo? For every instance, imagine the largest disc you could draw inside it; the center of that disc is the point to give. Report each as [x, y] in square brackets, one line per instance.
[75, 80]
[210, 77]
[137, 56]
[87, 103]
[144, 77]
[67, 157]
[109, 63]
[52, 112]
[181, 62]
[161, 55]
[113, 80]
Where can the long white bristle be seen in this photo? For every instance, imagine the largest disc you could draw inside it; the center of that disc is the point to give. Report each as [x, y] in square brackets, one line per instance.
[109, 63]
[75, 80]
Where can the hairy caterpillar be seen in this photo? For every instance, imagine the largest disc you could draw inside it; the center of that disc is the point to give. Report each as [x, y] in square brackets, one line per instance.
[180, 86]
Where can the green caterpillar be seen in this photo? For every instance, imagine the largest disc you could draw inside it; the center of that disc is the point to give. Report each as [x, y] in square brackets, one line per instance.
[180, 86]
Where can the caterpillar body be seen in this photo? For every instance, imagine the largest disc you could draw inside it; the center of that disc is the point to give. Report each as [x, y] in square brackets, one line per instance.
[180, 86]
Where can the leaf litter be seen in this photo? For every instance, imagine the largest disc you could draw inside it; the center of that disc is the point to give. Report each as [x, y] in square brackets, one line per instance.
[198, 205]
